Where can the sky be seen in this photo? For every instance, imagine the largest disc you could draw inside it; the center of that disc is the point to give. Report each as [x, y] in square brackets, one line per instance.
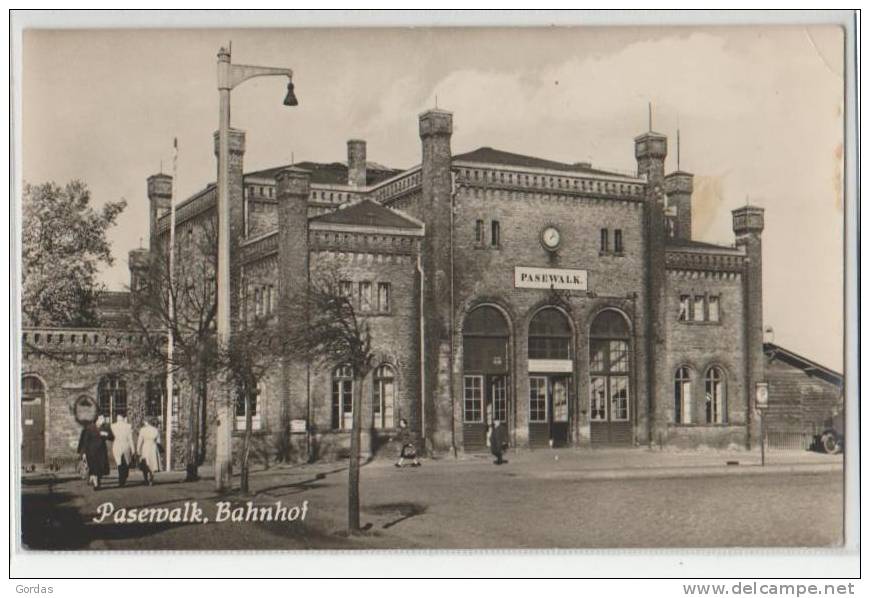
[759, 109]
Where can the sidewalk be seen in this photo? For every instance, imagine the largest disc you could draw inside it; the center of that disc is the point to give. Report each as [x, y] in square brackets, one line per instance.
[450, 503]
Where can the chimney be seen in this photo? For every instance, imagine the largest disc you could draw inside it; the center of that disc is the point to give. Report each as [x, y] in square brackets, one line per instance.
[356, 163]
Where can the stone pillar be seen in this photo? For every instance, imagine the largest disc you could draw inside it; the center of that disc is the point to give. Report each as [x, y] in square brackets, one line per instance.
[678, 187]
[293, 186]
[436, 128]
[159, 202]
[650, 150]
[356, 163]
[748, 224]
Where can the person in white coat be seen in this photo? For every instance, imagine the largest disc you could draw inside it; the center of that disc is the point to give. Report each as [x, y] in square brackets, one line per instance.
[146, 448]
[122, 447]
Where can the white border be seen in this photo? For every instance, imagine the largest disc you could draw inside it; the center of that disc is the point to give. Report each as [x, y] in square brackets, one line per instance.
[839, 563]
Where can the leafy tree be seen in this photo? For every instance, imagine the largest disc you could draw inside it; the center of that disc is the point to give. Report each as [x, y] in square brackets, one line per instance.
[63, 245]
[323, 326]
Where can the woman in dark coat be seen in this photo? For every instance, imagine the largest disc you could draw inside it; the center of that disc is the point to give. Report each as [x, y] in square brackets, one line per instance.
[498, 441]
[92, 443]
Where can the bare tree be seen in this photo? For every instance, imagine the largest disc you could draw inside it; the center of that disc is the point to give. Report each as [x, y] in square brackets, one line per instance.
[324, 326]
[183, 303]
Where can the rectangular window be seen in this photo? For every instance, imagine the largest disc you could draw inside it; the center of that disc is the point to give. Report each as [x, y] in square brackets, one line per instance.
[473, 399]
[241, 411]
[365, 296]
[345, 287]
[698, 311]
[618, 356]
[598, 398]
[154, 398]
[496, 233]
[713, 308]
[684, 308]
[619, 398]
[605, 241]
[479, 232]
[175, 409]
[617, 240]
[499, 399]
[257, 302]
[537, 399]
[384, 297]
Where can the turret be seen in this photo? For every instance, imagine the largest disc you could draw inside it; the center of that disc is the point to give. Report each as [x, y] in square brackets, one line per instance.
[293, 185]
[436, 424]
[678, 188]
[159, 202]
[748, 226]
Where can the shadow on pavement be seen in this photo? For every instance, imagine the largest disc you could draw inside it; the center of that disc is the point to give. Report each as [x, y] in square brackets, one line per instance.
[298, 487]
[405, 510]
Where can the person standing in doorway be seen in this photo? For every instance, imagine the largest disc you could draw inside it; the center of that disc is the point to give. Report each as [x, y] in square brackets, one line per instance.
[146, 448]
[92, 444]
[498, 441]
[408, 451]
[122, 447]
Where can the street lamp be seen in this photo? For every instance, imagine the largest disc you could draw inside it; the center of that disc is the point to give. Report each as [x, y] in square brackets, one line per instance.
[230, 76]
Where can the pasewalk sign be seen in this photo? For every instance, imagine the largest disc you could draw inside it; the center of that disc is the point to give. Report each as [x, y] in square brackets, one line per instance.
[562, 279]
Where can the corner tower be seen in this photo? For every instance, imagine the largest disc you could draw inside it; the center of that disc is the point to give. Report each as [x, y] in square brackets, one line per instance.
[748, 225]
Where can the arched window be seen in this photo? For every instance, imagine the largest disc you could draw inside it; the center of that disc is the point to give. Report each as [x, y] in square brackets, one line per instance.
[715, 399]
[252, 389]
[683, 396]
[549, 335]
[383, 396]
[112, 397]
[609, 368]
[342, 398]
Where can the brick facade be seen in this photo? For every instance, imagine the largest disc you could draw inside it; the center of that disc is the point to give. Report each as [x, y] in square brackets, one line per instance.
[447, 237]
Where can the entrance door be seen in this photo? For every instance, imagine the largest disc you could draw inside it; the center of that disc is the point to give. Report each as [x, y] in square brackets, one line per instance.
[32, 422]
[548, 410]
[486, 401]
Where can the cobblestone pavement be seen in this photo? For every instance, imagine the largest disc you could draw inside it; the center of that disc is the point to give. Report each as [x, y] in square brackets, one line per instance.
[535, 501]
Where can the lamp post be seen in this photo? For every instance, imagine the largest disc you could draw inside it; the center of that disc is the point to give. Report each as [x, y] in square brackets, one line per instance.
[230, 76]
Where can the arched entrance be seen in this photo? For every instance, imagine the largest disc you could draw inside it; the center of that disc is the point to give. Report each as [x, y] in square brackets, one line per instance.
[33, 421]
[550, 378]
[610, 405]
[486, 374]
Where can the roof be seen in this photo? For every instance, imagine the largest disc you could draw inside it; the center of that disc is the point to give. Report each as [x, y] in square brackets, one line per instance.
[368, 213]
[798, 361]
[333, 173]
[490, 155]
[691, 244]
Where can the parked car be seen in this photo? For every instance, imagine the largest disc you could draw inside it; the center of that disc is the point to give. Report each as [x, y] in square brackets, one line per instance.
[832, 439]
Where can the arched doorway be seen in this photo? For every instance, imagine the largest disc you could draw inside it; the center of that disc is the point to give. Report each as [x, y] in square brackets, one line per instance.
[610, 405]
[33, 421]
[550, 378]
[486, 373]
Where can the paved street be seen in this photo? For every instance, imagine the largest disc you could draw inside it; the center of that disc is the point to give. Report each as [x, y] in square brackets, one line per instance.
[633, 498]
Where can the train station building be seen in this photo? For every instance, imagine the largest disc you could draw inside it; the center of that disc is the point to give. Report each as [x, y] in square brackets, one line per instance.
[568, 302]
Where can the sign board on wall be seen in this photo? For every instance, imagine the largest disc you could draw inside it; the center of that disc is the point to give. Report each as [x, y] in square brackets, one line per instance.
[562, 279]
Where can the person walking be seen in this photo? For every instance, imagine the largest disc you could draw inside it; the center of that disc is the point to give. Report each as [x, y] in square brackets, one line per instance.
[498, 441]
[146, 448]
[408, 451]
[122, 447]
[92, 444]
